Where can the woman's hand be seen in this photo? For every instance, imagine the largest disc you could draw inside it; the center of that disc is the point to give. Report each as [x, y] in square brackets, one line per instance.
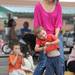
[48, 43]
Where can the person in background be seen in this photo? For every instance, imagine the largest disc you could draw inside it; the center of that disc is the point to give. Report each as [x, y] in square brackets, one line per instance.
[15, 60]
[12, 32]
[48, 14]
[25, 29]
[28, 37]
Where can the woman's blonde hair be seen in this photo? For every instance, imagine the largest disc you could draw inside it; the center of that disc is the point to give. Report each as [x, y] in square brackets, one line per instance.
[55, 1]
[38, 30]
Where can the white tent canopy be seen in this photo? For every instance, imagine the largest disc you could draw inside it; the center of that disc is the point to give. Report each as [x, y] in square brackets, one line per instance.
[67, 0]
[27, 9]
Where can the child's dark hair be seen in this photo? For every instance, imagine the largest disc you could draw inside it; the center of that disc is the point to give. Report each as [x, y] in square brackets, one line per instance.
[10, 23]
[26, 24]
[38, 30]
[12, 44]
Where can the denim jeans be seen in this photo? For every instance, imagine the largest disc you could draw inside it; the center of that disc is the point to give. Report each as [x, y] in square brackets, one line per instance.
[61, 49]
[53, 66]
[41, 64]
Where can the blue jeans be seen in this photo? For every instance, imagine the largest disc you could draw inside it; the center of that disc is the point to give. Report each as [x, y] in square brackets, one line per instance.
[41, 65]
[53, 66]
[61, 49]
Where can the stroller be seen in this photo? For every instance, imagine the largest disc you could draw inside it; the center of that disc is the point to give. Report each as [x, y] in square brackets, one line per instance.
[4, 48]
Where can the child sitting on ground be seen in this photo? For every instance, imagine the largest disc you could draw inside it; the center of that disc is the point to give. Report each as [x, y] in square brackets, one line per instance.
[28, 63]
[15, 61]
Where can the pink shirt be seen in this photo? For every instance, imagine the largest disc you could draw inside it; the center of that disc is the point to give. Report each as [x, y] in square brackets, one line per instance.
[48, 20]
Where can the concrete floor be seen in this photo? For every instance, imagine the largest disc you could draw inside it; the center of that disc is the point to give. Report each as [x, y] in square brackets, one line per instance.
[3, 66]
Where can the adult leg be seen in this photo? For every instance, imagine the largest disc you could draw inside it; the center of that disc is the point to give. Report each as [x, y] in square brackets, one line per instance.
[53, 66]
[61, 49]
[57, 65]
[49, 66]
[41, 65]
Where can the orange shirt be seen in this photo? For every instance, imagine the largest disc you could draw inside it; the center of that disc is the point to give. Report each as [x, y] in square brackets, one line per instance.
[50, 38]
[17, 65]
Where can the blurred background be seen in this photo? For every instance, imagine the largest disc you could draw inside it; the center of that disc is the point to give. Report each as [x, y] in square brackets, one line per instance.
[22, 10]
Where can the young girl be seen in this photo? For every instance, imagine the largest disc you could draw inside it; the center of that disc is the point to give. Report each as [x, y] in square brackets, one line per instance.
[28, 63]
[49, 43]
[15, 61]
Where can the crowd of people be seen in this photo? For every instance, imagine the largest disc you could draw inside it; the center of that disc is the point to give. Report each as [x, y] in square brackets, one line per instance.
[48, 43]
[20, 60]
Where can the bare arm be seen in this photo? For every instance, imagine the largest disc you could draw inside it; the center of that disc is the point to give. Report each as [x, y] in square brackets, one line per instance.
[57, 31]
[59, 23]
[38, 49]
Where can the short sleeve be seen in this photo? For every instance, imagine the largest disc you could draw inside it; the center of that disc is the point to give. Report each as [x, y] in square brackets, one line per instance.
[38, 42]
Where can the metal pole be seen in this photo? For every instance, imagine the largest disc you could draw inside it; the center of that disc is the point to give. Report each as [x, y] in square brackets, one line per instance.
[74, 28]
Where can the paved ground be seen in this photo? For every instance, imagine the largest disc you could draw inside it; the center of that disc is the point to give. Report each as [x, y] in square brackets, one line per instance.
[3, 66]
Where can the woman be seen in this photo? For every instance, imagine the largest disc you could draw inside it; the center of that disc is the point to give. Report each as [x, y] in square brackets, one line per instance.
[48, 14]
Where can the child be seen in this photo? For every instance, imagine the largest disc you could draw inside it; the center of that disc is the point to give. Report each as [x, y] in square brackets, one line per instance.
[29, 65]
[49, 43]
[15, 61]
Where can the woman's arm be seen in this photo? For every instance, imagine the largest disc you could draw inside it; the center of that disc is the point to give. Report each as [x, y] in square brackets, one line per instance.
[59, 20]
[36, 17]
[57, 31]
